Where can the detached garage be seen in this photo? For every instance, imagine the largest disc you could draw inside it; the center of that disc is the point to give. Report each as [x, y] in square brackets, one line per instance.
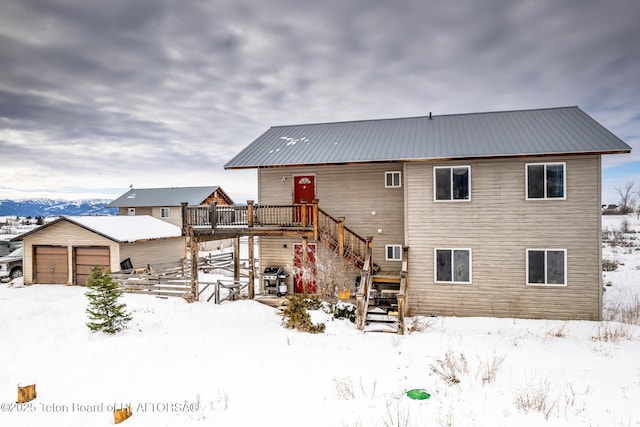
[65, 251]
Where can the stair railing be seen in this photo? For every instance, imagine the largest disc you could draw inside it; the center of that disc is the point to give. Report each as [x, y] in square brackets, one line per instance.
[362, 296]
[402, 294]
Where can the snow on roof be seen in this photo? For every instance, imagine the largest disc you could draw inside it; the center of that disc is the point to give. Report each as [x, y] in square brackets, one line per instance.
[127, 228]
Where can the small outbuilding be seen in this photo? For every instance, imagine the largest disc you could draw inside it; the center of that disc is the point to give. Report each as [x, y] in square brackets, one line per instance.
[65, 250]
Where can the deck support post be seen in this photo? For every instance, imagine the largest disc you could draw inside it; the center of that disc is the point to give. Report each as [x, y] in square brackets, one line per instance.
[251, 268]
[305, 265]
[236, 259]
[184, 217]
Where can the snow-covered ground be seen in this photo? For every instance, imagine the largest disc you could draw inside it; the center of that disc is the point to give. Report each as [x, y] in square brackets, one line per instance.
[233, 364]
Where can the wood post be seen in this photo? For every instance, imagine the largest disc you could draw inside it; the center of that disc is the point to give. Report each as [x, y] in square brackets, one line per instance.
[184, 218]
[370, 252]
[304, 213]
[26, 393]
[402, 295]
[305, 266]
[251, 268]
[250, 213]
[236, 259]
[341, 236]
[315, 218]
[213, 215]
[119, 415]
[193, 243]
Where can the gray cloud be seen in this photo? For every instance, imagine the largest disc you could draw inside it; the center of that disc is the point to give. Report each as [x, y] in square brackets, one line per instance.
[165, 92]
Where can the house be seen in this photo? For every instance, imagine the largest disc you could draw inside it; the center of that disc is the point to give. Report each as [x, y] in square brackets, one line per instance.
[165, 203]
[491, 214]
[65, 250]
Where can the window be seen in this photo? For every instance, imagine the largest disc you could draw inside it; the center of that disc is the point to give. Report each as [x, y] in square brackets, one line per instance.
[393, 252]
[453, 265]
[131, 211]
[392, 179]
[452, 183]
[547, 267]
[546, 181]
[164, 212]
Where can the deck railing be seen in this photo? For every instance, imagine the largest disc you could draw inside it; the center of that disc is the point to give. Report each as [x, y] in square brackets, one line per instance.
[307, 216]
[362, 296]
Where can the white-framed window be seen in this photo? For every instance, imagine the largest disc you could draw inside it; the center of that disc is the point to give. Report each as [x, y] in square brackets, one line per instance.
[452, 265]
[546, 181]
[393, 179]
[165, 212]
[131, 211]
[547, 267]
[393, 252]
[451, 183]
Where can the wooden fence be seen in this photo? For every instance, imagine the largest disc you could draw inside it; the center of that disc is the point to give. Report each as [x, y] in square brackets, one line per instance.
[164, 280]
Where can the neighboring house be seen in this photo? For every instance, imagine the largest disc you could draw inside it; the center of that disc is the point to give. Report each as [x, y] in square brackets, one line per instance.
[165, 203]
[65, 250]
[500, 211]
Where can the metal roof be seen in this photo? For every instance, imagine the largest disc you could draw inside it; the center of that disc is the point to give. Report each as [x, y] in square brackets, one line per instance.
[564, 130]
[137, 197]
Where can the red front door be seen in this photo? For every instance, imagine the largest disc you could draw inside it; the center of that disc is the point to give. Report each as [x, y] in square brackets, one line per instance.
[304, 272]
[304, 188]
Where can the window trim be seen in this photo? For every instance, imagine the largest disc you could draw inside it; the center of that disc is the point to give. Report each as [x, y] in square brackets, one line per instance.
[392, 173]
[131, 211]
[545, 164]
[546, 279]
[168, 210]
[435, 187]
[386, 252]
[451, 282]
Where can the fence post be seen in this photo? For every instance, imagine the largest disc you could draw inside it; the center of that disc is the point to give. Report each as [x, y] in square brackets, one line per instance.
[217, 292]
[193, 242]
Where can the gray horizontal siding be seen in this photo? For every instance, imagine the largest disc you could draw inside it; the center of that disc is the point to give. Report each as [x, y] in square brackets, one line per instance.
[354, 192]
[498, 224]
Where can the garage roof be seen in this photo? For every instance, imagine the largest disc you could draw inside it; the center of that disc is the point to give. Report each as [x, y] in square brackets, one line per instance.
[120, 229]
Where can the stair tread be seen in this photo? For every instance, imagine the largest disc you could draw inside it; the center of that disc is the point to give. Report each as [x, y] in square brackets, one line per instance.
[381, 327]
[386, 318]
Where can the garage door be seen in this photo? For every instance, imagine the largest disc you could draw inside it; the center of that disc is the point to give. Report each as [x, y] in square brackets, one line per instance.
[87, 258]
[51, 264]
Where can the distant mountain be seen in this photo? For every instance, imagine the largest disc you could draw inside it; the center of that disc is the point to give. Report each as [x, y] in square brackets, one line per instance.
[51, 207]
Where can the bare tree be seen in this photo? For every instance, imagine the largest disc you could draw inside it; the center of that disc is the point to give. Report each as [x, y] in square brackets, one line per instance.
[626, 197]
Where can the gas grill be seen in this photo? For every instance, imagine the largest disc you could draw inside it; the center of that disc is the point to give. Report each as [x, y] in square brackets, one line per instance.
[273, 280]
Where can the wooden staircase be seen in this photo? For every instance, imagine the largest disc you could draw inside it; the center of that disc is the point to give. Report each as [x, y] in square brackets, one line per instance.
[382, 310]
[381, 299]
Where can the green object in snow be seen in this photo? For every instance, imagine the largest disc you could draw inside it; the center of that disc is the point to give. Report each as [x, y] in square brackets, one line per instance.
[418, 394]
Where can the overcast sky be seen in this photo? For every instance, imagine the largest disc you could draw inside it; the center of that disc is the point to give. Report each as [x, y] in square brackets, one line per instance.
[98, 95]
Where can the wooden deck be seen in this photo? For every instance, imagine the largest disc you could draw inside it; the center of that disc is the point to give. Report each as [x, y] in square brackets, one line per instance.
[303, 221]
